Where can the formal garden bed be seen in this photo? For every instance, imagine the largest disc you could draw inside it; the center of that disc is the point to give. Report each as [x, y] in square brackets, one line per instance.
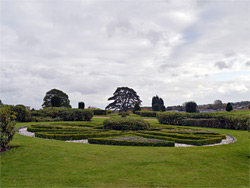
[126, 131]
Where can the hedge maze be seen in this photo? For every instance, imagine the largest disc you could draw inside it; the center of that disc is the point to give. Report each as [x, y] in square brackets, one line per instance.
[126, 132]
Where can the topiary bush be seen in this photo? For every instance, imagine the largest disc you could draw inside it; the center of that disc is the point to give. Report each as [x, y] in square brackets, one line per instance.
[7, 128]
[126, 124]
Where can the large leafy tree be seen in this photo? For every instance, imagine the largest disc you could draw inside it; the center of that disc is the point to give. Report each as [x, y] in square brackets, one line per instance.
[124, 99]
[57, 98]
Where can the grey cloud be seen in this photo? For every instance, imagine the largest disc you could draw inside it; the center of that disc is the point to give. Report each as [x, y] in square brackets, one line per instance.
[221, 65]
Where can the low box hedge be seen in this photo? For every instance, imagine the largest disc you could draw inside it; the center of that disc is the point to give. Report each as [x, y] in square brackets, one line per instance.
[77, 136]
[126, 124]
[146, 113]
[109, 141]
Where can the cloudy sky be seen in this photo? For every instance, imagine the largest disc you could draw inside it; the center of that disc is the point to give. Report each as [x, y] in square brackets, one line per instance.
[192, 50]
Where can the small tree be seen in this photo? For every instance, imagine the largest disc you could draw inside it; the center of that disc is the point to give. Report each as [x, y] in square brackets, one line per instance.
[158, 104]
[136, 108]
[191, 107]
[229, 107]
[249, 106]
[7, 128]
[124, 99]
[81, 105]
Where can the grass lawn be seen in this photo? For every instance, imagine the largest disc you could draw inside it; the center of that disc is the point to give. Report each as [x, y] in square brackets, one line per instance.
[50, 163]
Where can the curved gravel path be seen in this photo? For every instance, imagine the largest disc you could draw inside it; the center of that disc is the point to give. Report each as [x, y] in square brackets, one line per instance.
[229, 139]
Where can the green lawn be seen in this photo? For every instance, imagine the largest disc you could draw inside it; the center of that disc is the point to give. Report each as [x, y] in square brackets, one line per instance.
[51, 163]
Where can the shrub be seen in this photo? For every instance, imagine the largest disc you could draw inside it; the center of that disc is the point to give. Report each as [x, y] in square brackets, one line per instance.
[146, 113]
[7, 128]
[126, 124]
[229, 107]
[136, 108]
[191, 107]
[21, 113]
[81, 105]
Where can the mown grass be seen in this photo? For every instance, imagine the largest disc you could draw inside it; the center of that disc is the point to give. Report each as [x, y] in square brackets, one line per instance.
[51, 163]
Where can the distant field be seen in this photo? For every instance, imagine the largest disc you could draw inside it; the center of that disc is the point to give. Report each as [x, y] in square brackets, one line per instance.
[50, 163]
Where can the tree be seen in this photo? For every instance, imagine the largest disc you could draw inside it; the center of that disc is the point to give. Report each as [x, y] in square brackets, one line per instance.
[64, 99]
[229, 107]
[158, 104]
[1, 102]
[56, 101]
[124, 99]
[218, 104]
[249, 107]
[191, 107]
[136, 108]
[81, 105]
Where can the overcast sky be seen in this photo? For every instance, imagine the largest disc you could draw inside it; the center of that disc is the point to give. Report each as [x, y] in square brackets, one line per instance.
[192, 50]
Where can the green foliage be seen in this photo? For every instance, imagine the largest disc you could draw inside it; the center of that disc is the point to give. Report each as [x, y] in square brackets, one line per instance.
[66, 114]
[191, 107]
[81, 105]
[21, 113]
[146, 113]
[124, 99]
[113, 141]
[7, 127]
[214, 120]
[229, 107]
[64, 99]
[56, 101]
[125, 124]
[158, 104]
[136, 108]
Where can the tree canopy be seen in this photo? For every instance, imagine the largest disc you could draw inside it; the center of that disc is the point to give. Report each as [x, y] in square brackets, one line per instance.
[229, 107]
[124, 99]
[191, 107]
[56, 98]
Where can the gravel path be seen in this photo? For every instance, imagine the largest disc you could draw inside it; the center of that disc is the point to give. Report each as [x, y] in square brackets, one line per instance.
[228, 140]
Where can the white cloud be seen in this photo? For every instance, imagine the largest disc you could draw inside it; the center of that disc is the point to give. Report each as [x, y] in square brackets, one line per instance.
[180, 50]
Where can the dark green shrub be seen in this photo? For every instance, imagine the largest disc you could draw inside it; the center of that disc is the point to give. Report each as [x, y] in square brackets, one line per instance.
[146, 113]
[191, 107]
[136, 108]
[229, 107]
[81, 105]
[213, 123]
[170, 118]
[21, 113]
[7, 127]
[126, 124]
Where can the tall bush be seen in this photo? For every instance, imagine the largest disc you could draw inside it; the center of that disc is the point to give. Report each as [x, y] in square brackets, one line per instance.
[7, 128]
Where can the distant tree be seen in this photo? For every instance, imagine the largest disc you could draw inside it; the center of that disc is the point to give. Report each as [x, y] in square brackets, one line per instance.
[136, 108]
[249, 107]
[64, 99]
[191, 107]
[229, 107]
[56, 101]
[1, 102]
[124, 99]
[218, 104]
[158, 104]
[81, 105]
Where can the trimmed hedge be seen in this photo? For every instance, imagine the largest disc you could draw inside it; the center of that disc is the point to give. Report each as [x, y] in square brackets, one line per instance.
[146, 113]
[110, 141]
[75, 136]
[200, 142]
[126, 124]
[212, 120]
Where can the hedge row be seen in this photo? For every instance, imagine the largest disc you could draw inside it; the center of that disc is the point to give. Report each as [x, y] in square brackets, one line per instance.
[200, 142]
[183, 136]
[213, 120]
[109, 141]
[146, 113]
[126, 124]
[77, 136]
